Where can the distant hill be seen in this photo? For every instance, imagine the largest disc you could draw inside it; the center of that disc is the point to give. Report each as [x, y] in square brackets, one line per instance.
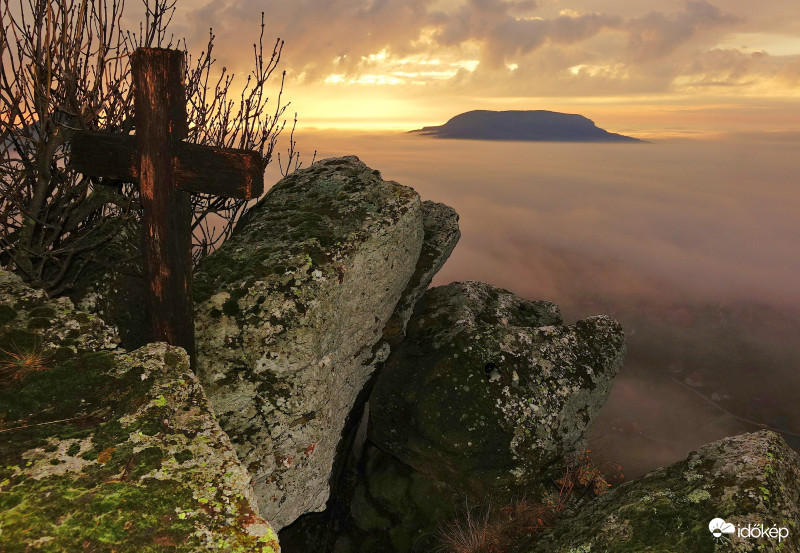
[534, 125]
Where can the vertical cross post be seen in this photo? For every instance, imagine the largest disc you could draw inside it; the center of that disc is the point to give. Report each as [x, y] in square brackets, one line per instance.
[168, 171]
[160, 116]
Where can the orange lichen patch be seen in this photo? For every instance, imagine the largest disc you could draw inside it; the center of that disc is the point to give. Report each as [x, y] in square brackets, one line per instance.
[165, 540]
[105, 455]
[310, 449]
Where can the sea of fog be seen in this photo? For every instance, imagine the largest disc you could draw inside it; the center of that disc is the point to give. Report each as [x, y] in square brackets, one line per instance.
[691, 244]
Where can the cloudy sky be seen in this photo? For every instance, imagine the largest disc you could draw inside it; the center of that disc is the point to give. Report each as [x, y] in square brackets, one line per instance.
[716, 64]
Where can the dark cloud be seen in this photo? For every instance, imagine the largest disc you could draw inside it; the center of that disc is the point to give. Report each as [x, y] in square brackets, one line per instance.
[336, 36]
[657, 34]
[321, 37]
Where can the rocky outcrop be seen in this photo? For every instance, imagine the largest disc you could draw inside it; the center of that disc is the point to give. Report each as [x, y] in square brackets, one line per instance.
[111, 285]
[291, 312]
[751, 480]
[488, 390]
[440, 224]
[107, 450]
[32, 322]
[394, 508]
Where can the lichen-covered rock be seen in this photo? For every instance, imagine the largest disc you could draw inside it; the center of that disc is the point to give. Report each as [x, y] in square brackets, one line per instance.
[748, 480]
[121, 453]
[30, 321]
[440, 223]
[441, 236]
[104, 450]
[487, 389]
[289, 311]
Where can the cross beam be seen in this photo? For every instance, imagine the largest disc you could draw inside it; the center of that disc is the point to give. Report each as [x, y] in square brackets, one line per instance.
[168, 170]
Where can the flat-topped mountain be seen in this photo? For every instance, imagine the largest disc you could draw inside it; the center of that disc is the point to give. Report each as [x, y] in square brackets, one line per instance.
[534, 125]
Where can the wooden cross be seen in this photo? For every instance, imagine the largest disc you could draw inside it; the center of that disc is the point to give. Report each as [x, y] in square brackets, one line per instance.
[168, 170]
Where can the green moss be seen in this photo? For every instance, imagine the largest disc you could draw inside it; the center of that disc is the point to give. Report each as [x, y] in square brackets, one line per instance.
[230, 307]
[60, 390]
[108, 501]
[44, 311]
[146, 461]
[95, 522]
[7, 314]
[184, 456]
[39, 323]
[172, 359]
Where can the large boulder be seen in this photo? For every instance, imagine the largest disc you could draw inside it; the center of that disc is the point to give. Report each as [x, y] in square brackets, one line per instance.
[109, 451]
[290, 315]
[488, 390]
[750, 481]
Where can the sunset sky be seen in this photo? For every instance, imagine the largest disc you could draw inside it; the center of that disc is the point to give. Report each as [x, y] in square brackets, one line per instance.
[670, 67]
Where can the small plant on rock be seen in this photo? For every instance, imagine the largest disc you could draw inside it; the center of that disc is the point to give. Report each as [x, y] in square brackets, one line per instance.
[20, 362]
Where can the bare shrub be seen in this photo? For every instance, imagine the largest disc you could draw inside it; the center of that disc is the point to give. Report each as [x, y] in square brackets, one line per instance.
[64, 66]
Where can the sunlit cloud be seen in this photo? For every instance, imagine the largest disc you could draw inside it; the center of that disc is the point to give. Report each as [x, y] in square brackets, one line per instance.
[775, 44]
[415, 70]
[456, 53]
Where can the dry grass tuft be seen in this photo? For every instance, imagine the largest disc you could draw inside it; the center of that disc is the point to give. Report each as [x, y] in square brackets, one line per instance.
[20, 362]
[488, 529]
[470, 532]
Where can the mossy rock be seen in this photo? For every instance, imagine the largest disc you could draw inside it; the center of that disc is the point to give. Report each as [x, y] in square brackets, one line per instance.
[104, 450]
[749, 479]
[488, 390]
[31, 322]
[395, 506]
[121, 453]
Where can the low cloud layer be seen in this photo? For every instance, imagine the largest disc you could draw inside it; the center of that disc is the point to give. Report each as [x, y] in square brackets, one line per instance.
[691, 245]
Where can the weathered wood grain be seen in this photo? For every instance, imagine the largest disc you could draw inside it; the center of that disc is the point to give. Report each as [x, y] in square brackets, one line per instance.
[196, 168]
[160, 117]
[102, 154]
[168, 170]
[219, 171]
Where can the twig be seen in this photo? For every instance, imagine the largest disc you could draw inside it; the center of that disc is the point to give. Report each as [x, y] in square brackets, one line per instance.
[46, 423]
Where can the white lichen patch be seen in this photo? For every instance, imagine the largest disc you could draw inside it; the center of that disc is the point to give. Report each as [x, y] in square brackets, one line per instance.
[698, 495]
[57, 458]
[57, 321]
